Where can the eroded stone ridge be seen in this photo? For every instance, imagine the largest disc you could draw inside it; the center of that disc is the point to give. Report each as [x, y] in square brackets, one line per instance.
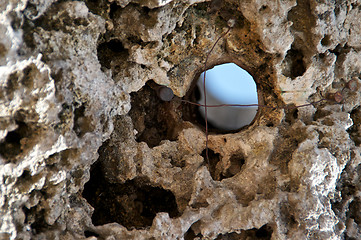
[89, 150]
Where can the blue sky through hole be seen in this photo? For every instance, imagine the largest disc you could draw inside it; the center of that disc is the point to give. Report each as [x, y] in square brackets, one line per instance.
[231, 84]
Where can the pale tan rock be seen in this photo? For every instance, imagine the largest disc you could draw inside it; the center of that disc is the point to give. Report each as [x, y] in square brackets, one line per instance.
[88, 149]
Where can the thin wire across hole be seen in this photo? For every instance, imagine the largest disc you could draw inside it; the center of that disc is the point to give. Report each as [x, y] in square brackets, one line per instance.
[334, 97]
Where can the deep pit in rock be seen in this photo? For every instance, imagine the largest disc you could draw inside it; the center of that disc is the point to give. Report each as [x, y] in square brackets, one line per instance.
[154, 119]
[132, 204]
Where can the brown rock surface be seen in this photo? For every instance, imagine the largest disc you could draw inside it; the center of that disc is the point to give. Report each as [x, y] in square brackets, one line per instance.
[88, 150]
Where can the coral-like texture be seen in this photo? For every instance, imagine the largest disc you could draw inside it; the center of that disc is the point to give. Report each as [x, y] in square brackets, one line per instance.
[88, 149]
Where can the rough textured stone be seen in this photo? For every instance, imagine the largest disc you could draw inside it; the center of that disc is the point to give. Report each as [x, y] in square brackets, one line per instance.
[88, 149]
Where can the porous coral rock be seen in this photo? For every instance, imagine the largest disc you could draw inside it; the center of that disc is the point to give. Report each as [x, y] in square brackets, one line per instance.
[82, 128]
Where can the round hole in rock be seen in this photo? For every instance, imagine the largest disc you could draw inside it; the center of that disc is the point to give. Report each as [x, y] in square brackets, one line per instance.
[228, 84]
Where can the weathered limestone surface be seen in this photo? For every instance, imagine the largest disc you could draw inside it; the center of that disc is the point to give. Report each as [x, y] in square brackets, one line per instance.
[88, 150]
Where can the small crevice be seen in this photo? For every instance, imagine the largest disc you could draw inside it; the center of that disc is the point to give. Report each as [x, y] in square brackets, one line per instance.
[294, 65]
[340, 49]
[190, 235]
[288, 142]
[213, 159]
[90, 234]
[193, 232]
[355, 130]
[82, 123]
[235, 166]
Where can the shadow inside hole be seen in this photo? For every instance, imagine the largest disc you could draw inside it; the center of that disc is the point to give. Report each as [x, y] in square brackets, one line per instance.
[90, 234]
[13, 145]
[193, 232]
[230, 236]
[133, 204]
[287, 216]
[35, 217]
[291, 114]
[110, 50]
[82, 123]
[236, 163]
[355, 130]
[98, 7]
[153, 119]
[326, 40]
[263, 233]
[190, 235]
[213, 159]
[294, 65]
[114, 10]
[25, 177]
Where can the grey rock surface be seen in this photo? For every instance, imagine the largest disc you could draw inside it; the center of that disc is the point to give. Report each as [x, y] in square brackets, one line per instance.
[88, 149]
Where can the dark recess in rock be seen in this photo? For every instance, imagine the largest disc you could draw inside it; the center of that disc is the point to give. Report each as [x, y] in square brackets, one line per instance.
[90, 234]
[153, 118]
[190, 112]
[111, 50]
[13, 145]
[237, 161]
[213, 159]
[345, 205]
[326, 40]
[355, 130]
[291, 114]
[263, 233]
[114, 7]
[190, 235]
[99, 7]
[82, 123]
[355, 211]
[35, 218]
[133, 204]
[340, 49]
[294, 64]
